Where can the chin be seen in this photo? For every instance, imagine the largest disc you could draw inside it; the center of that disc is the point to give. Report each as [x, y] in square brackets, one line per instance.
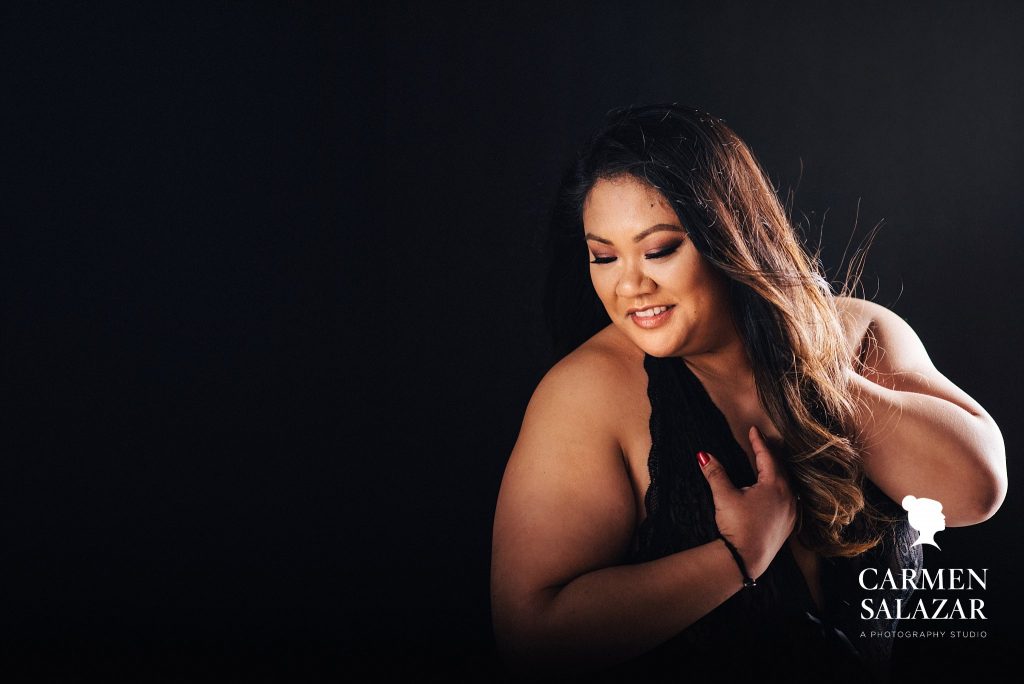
[657, 348]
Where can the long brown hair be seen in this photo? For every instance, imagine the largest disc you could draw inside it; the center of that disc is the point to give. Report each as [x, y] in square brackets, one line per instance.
[782, 304]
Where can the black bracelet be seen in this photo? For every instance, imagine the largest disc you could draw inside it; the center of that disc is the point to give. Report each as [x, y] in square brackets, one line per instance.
[748, 581]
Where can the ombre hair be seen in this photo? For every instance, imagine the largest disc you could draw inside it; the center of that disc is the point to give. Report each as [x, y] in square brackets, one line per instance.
[781, 303]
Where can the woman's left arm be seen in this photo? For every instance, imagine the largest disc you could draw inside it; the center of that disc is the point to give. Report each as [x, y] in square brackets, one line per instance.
[920, 433]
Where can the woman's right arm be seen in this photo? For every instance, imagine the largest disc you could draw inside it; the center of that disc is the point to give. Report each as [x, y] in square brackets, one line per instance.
[566, 514]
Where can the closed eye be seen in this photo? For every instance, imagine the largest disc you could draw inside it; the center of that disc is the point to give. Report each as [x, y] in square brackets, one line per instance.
[660, 254]
[663, 253]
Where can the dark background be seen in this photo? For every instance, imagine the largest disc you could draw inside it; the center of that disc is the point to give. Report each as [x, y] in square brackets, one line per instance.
[271, 294]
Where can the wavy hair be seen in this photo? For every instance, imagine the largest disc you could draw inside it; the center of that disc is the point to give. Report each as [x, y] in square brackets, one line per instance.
[782, 304]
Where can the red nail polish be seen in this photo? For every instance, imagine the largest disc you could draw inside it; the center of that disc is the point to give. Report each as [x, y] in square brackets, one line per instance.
[703, 458]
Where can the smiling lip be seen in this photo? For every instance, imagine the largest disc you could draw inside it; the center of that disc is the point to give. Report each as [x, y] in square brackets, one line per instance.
[648, 322]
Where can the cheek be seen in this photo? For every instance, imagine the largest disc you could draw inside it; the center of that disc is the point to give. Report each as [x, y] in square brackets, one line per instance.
[683, 274]
[603, 282]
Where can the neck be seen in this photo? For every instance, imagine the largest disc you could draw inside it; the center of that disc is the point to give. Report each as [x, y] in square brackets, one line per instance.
[725, 366]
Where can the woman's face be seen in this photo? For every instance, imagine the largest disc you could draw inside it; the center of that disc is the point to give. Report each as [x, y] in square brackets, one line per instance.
[642, 263]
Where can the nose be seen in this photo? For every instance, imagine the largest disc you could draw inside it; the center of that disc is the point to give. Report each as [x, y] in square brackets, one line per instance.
[633, 281]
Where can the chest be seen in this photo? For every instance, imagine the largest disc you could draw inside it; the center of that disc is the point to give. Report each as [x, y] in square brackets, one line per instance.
[739, 413]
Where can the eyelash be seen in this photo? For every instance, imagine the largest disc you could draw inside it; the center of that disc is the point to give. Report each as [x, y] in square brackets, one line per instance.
[657, 255]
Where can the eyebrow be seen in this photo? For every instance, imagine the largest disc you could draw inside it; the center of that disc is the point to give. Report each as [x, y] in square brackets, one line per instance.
[642, 234]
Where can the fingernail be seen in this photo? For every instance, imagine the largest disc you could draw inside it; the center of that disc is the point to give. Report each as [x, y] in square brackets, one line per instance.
[703, 458]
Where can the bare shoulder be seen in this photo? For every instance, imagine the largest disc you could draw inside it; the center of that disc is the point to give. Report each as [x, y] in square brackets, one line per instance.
[856, 313]
[859, 316]
[893, 355]
[882, 335]
[576, 414]
[594, 377]
[566, 504]
[862, 309]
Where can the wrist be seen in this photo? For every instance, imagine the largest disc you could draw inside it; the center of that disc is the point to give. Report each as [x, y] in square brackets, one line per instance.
[746, 578]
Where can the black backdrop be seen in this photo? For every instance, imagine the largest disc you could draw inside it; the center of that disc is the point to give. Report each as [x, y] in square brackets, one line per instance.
[271, 278]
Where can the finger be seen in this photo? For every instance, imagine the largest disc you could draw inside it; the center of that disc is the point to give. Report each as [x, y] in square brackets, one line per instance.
[763, 458]
[715, 474]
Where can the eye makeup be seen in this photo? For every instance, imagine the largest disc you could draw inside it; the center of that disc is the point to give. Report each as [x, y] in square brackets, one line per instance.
[660, 254]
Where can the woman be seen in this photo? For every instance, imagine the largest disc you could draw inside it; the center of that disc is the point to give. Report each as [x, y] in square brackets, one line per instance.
[698, 480]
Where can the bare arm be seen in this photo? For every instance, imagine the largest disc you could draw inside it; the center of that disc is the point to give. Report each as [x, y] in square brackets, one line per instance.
[923, 435]
[561, 598]
[609, 615]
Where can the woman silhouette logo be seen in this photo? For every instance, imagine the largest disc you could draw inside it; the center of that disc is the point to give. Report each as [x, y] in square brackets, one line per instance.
[925, 516]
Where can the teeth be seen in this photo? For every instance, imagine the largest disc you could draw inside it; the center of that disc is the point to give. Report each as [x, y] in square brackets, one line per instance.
[651, 312]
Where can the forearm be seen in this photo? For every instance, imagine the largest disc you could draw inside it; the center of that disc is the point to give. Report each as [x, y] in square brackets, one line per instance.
[918, 444]
[610, 615]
